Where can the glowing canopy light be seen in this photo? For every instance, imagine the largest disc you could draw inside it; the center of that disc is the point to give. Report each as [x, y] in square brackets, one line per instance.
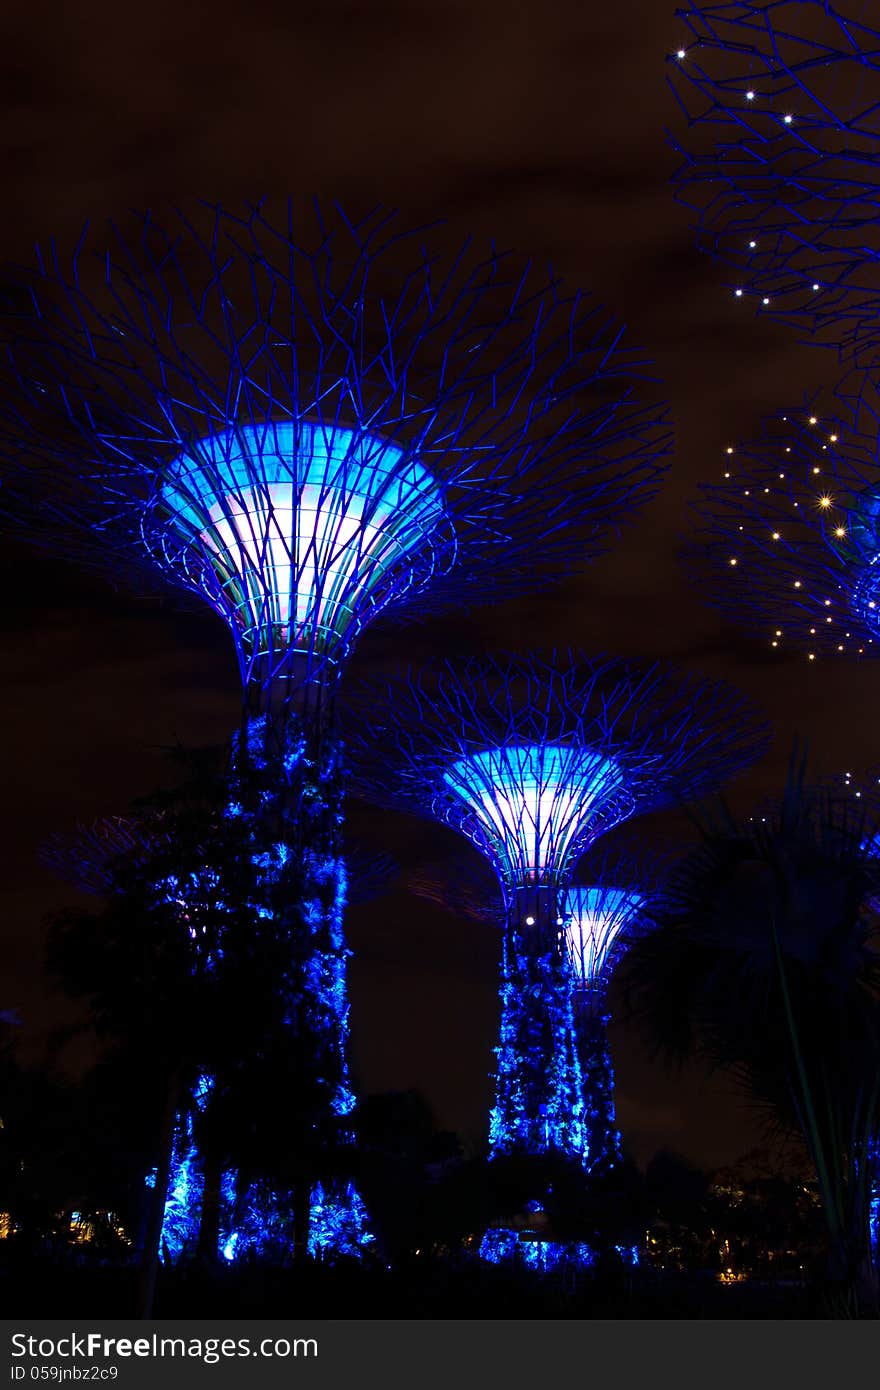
[533, 800]
[595, 917]
[302, 526]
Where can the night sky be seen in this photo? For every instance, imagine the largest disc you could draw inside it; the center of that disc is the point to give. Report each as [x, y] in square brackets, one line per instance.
[541, 126]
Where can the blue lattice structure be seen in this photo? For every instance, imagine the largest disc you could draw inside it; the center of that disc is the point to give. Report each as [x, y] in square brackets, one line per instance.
[305, 423]
[779, 159]
[533, 761]
[788, 539]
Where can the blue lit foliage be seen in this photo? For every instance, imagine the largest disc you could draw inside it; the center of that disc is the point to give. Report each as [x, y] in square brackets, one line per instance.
[289, 792]
[782, 99]
[789, 538]
[186, 1182]
[514, 1249]
[339, 1224]
[308, 421]
[539, 1095]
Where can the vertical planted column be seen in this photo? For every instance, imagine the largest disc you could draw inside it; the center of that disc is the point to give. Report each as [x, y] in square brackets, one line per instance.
[290, 789]
[539, 1096]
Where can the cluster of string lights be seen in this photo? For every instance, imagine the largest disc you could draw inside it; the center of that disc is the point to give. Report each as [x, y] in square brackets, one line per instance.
[778, 163]
[788, 539]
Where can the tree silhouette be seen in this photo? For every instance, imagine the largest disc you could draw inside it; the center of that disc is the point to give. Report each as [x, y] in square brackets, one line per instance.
[763, 963]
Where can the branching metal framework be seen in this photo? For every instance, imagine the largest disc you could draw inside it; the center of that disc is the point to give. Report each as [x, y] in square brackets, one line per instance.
[310, 424]
[780, 159]
[533, 760]
[306, 422]
[788, 541]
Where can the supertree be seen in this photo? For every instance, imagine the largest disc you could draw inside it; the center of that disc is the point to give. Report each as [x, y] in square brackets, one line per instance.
[305, 426]
[533, 760]
[780, 159]
[602, 913]
[788, 540]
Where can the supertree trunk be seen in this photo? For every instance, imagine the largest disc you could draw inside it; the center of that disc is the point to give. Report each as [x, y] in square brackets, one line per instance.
[286, 786]
[539, 1095]
[603, 1137]
[291, 789]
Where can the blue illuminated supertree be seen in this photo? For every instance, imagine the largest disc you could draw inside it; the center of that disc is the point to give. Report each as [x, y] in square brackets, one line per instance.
[602, 914]
[533, 761]
[305, 426]
[788, 541]
[781, 160]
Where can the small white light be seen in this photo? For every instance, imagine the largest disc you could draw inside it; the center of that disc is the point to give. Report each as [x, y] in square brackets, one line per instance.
[738, 294]
[765, 300]
[750, 96]
[753, 244]
[788, 119]
[530, 921]
[680, 53]
[816, 289]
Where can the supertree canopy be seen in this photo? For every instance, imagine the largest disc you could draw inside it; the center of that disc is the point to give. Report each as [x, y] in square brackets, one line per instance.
[309, 426]
[788, 540]
[306, 424]
[532, 760]
[780, 158]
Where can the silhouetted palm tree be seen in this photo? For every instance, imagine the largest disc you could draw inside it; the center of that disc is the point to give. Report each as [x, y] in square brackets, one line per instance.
[764, 963]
